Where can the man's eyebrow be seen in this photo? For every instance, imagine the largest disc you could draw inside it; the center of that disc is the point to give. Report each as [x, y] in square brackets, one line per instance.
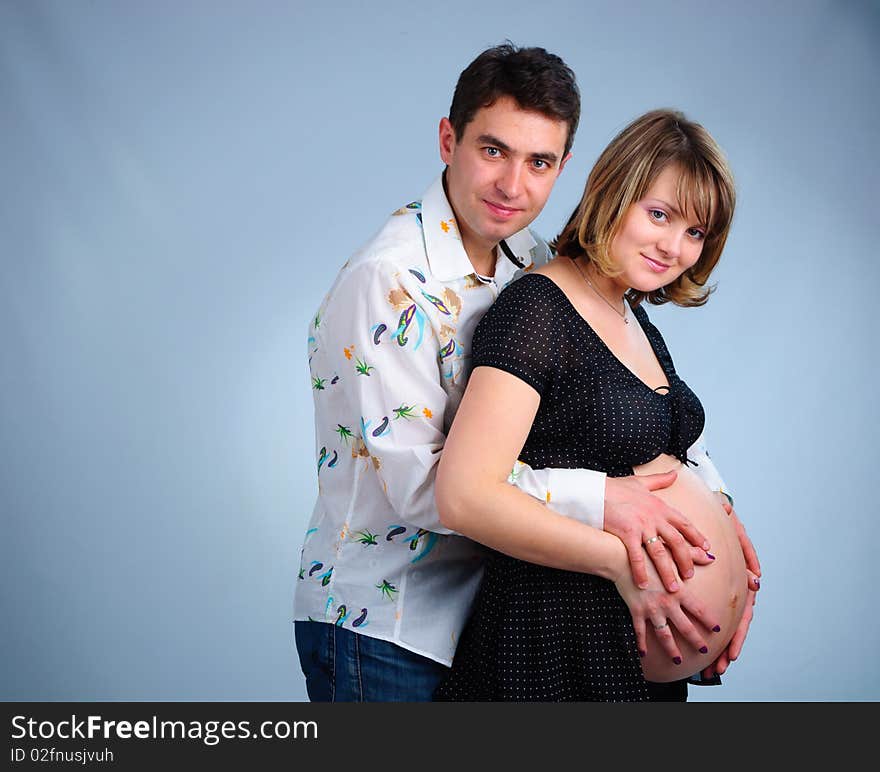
[489, 139]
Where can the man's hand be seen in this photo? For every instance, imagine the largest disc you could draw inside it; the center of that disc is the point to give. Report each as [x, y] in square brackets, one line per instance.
[637, 517]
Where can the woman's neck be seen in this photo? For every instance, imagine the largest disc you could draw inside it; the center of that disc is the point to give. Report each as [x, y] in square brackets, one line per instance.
[608, 286]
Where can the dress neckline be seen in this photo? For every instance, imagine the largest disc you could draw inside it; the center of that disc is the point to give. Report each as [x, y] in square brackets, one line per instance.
[638, 313]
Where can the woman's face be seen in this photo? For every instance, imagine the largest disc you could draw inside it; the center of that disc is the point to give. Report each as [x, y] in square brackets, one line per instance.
[656, 242]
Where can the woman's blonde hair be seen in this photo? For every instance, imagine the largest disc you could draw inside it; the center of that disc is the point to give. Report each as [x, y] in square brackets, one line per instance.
[622, 176]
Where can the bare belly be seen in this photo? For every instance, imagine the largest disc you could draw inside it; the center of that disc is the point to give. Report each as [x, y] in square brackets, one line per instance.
[720, 585]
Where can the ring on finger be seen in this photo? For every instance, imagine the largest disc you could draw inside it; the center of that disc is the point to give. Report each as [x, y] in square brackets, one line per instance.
[660, 627]
[651, 540]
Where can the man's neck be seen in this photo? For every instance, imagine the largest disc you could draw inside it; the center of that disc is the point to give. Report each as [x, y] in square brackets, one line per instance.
[482, 261]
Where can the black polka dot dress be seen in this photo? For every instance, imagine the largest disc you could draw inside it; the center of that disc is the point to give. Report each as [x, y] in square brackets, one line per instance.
[543, 634]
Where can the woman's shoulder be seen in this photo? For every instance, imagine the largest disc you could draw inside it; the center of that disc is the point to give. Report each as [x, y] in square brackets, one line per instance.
[540, 283]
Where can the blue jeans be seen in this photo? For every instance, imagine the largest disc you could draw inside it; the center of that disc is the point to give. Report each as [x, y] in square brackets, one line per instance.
[343, 666]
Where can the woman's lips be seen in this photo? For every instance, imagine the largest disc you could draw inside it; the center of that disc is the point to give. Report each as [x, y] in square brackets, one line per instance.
[499, 210]
[655, 265]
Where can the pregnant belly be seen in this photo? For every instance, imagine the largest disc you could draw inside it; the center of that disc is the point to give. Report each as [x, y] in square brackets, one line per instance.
[721, 585]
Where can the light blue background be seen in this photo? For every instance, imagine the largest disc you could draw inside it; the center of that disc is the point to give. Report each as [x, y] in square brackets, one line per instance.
[181, 183]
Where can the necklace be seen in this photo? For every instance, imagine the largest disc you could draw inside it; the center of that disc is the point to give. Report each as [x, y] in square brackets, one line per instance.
[621, 314]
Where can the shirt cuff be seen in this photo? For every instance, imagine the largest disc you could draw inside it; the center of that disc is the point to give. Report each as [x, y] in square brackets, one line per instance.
[578, 494]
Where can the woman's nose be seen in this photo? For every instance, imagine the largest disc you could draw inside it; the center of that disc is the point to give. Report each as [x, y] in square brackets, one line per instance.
[670, 242]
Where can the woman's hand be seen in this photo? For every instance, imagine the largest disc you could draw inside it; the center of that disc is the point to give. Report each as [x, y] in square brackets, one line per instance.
[664, 610]
[720, 665]
[752, 563]
[753, 573]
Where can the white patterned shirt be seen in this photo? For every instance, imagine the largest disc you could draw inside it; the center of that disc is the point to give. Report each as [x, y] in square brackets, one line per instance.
[389, 357]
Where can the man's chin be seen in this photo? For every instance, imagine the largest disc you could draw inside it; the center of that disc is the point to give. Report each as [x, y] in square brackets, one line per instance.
[507, 230]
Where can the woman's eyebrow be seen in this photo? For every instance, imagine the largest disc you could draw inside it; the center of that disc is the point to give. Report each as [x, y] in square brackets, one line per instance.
[673, 208]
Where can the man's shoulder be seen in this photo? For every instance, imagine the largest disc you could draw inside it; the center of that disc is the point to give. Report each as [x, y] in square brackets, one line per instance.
[396, 246]
[396, 242]
[541, 252]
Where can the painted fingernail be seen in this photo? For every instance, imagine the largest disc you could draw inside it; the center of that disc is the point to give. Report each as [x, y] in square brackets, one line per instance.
[716, 629]
[676, 660]
[704, 649]
[757, 583]
[710, 556]
[642, 653]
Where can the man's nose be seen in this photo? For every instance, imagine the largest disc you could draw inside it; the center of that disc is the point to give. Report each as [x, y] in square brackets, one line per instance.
[510, 182]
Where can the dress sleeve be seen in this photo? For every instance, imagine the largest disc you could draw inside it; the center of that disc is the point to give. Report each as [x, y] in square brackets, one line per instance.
[520, 333]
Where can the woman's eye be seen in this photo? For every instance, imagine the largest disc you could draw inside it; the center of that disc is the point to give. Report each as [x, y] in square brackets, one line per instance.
[697, 233]
[657, 214]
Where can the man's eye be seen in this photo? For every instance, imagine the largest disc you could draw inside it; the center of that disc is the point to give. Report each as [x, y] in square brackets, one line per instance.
[493, 152]
[540, 163]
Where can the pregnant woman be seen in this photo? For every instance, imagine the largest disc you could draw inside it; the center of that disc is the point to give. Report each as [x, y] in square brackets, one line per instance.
[570, 372]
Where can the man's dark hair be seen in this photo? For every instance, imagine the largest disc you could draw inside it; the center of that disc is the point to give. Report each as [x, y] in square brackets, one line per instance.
[534, 78]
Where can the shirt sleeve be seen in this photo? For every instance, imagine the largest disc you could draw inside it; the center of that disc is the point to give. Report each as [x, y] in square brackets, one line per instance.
[705, 468]
[376, 335]
[575, 493]
[378, 338]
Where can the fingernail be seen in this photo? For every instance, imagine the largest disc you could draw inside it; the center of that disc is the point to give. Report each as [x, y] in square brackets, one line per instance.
[716, 629]
[643, 586]
[757, 583]
[704, 649]
[642, 653]
[673, 587]
[689, 574]
[710, 556]
[706, 545]
[676, 660]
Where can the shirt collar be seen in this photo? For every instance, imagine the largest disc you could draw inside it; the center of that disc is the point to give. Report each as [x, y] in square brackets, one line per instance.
[447, 258]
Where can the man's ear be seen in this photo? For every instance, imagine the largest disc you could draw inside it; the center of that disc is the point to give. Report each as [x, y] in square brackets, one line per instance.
[447, 141]
[562, 164]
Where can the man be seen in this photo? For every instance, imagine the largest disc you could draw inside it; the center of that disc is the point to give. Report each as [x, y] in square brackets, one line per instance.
[383, 589]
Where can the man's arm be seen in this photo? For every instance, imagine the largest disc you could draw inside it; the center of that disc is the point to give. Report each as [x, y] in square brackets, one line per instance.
[382, 351]
[703, 466]
[625, 507]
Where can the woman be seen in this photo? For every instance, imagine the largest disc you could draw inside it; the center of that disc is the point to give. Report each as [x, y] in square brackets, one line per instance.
[569, 372]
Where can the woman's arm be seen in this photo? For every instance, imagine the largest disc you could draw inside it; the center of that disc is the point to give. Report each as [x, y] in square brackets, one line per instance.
[475, 500]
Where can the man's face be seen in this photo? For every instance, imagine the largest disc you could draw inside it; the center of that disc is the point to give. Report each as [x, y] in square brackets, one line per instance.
[501, 172]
